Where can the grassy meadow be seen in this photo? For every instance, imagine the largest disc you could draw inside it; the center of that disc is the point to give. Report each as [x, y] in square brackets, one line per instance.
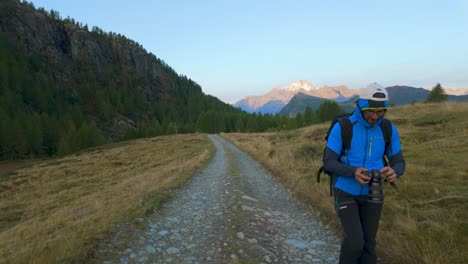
[433, 229]
[52, 211]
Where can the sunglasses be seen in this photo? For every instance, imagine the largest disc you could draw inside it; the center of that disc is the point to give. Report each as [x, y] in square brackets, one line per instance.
[379, 113]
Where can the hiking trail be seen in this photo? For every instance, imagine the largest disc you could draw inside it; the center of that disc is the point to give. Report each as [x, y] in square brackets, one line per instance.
[233, 211]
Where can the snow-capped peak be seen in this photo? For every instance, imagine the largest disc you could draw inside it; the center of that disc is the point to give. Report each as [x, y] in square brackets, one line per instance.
[301, 84]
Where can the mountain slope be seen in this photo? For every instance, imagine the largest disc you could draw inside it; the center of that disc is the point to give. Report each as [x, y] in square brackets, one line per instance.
[77, 84]
[272, 107]
[299, 103]
[402, 95]
[255, 102]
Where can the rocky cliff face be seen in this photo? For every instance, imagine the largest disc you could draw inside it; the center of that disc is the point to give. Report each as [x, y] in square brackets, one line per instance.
[67, 46]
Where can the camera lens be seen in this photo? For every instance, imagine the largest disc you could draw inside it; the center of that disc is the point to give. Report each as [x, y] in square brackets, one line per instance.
[375, 187]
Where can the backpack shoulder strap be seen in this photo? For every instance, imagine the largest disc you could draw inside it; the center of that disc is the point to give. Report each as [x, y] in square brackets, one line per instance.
[346, 132]
[386, 126]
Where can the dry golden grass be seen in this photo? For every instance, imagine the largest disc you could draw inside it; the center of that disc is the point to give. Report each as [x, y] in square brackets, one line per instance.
[53, 211]
[434, 228]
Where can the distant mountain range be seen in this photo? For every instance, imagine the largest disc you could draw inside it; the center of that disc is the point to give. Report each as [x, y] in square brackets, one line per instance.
[295, 97]
[277, 98]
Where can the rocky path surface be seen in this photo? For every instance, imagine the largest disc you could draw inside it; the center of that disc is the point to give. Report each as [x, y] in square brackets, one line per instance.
[231, 212]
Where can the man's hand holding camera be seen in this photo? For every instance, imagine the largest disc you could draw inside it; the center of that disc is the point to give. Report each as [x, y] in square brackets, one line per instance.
[361, 175]
[389, 173]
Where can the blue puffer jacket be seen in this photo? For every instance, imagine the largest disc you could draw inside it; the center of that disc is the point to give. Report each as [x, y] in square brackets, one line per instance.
[367, 151]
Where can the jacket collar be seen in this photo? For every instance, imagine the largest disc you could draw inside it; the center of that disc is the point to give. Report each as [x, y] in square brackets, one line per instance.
[358, 115]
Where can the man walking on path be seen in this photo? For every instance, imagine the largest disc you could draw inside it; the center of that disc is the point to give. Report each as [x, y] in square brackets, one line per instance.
[359, 215]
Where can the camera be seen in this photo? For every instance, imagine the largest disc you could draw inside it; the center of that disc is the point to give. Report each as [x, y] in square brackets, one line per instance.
[376, 194]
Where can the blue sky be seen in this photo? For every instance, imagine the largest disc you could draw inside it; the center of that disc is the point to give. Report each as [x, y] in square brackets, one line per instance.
[247, 47]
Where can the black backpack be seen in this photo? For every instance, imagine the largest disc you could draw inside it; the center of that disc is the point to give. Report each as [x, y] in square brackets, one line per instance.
[346, 135]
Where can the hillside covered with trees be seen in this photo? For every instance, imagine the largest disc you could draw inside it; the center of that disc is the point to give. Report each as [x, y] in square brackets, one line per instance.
[65, 87]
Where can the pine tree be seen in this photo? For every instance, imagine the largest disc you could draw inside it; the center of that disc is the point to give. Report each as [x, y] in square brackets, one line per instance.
[4, 127]
[292, 123]
[33, 131]
[220, 122]
[67, 143]
[50, 134]
[18, 143]
[283, 122]
[260, 120]
[252, 123]
[239, 127]
[88, 135]
[328, 110]
[437, 94]
[308, 115]
[299, 120]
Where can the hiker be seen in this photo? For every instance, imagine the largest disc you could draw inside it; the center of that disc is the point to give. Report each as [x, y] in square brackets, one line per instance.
[359, 216]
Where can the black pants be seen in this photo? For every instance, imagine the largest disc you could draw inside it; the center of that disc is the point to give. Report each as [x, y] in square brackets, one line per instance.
[360, 221]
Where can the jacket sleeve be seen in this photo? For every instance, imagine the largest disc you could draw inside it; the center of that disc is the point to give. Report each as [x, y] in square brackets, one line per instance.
[395, 154]
[332, 163]
[331, 157]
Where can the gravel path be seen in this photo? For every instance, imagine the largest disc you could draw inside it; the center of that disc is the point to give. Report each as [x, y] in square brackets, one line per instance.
[232, 212]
